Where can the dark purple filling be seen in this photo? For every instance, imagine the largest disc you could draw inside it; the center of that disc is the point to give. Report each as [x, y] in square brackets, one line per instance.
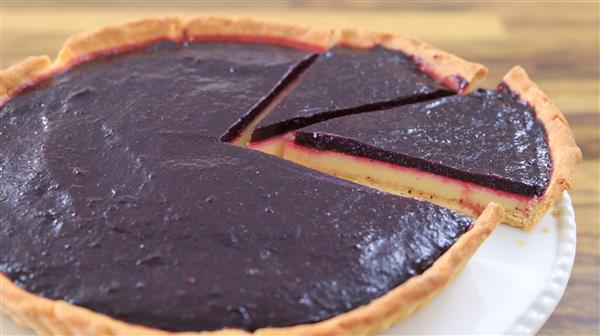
[485, 137]
[116, 195]
[345, 81]
[223, 84]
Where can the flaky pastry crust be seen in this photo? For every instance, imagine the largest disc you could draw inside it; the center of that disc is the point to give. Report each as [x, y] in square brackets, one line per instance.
[108, 39]
[24, 73]
[86, 45]
[134, 34]
[564, 152]
[55, 317]
[220, 28]
[453, 71]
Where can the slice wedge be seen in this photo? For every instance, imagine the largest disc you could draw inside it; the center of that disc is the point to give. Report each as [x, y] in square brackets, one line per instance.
[511, 146]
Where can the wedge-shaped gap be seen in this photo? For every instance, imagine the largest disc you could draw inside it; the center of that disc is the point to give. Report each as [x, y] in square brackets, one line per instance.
[241, 131]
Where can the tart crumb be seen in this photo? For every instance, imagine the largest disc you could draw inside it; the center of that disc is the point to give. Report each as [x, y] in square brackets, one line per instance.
[521, 242]
[555, 212]
[546, 229]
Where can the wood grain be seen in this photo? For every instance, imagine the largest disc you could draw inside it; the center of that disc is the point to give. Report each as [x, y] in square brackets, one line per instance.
[556, 42]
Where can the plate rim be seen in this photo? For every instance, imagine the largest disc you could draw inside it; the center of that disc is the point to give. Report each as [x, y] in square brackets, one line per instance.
[540, 309]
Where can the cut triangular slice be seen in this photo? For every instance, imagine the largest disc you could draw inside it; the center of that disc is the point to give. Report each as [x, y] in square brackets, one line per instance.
[366, 72]
[511, 146]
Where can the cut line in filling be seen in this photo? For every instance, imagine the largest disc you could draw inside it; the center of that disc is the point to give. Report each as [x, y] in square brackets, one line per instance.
[316, 98]
[241, 132]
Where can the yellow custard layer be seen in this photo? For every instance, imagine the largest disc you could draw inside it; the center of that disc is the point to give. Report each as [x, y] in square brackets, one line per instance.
[466, 197]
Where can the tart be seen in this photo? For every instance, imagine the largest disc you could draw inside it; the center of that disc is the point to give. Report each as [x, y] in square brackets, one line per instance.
[129, 206]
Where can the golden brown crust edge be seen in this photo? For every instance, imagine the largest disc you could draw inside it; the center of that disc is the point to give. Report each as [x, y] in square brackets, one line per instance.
[564, 152]
[27, 71]
[52, 317]
[453, 71]
[120, 37]
[215, 26]
[83, 45]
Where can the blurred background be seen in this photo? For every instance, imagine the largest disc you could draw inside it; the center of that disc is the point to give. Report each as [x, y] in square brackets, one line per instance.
[556, 41]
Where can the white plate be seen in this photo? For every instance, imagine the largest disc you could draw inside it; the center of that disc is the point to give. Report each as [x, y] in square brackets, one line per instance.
[510, 286]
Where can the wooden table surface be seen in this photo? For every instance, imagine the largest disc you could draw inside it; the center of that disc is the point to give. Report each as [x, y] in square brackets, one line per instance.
[556, 42]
